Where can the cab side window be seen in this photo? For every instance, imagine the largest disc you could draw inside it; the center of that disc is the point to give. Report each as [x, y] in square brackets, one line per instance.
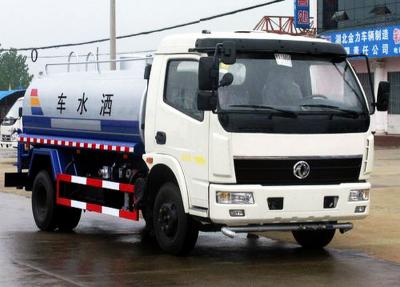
[181, 87]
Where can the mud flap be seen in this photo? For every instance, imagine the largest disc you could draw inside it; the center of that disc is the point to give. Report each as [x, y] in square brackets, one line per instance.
[15, 179]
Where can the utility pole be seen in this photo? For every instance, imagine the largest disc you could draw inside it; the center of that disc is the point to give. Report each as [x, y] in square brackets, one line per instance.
[113, 44]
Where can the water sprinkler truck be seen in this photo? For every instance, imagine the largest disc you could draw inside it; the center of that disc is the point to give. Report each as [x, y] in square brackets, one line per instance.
[235, 132]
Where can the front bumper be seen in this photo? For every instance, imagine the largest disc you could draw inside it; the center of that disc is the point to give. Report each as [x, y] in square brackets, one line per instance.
[8, 144]
[301, 204]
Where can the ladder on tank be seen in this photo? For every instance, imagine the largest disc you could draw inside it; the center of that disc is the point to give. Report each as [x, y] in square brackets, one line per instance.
[148, 58]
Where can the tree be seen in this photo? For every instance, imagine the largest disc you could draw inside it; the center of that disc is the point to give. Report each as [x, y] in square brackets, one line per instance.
[14, 72]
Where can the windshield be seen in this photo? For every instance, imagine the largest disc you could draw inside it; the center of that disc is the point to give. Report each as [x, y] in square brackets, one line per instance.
[291, 83]
[13, 112]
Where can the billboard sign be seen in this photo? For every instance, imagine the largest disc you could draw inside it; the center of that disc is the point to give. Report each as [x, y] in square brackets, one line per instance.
[378, 42]
[302, 14]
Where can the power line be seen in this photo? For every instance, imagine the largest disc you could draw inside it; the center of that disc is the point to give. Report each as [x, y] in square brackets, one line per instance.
[150, 31]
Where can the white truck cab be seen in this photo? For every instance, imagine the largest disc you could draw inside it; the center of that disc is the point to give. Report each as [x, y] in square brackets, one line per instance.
[283, 142]
[11, 125]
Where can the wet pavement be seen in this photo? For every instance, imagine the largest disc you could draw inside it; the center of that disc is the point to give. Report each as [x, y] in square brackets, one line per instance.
[107, 251]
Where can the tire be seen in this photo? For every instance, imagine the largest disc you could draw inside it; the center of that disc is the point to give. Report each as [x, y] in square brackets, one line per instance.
[313, 239]
[44, 202]
[176, 232]
[68, 218]
[148, 231]
[47, 215]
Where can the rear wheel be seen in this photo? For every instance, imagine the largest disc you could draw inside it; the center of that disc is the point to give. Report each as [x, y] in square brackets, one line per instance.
[44, 202]
[47, 215]
[68, 218]
[313, 239]
[176, 232]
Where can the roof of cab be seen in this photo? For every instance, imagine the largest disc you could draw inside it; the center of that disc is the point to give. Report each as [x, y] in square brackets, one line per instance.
[4, 94]
[181, 43]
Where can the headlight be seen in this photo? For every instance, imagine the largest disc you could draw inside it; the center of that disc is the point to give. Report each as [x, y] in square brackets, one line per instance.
[14, 137]
[225, 197]
[359, 195]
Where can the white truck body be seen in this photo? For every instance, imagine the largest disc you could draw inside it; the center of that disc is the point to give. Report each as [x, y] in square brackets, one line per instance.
[11, 126]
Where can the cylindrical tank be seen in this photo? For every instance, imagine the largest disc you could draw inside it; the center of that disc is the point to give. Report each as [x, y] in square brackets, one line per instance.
[87, 105]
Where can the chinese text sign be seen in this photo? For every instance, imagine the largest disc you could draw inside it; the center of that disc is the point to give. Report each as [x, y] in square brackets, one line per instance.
[302, 14]
[374, 42]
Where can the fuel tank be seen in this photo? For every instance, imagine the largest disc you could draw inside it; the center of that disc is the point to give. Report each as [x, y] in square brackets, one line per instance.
[87, 105]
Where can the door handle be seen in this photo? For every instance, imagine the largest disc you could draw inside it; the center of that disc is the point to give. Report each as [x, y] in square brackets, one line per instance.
[161, 137]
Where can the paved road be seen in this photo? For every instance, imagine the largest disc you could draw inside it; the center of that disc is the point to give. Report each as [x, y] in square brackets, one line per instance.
[108, 251]
[7, 153]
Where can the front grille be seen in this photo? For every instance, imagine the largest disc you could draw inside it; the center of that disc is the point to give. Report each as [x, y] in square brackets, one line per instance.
[280, 171]
[5, 138]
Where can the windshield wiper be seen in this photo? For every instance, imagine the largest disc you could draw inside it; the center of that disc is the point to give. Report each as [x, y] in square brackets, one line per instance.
[352, 113]
[260, 107]
[348, 84]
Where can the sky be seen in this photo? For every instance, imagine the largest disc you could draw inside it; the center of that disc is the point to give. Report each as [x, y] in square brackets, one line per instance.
[27, 23]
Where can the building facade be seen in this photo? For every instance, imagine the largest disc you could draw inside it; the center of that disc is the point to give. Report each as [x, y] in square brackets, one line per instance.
[372, 28]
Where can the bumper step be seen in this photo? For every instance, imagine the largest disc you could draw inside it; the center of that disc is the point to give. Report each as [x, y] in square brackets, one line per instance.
[231, 231]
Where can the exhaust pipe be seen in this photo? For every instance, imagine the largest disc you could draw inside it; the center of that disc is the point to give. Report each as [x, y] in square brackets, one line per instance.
[227, 232]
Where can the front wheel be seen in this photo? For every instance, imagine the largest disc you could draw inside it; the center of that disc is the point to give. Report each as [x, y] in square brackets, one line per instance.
[176, 232]
[313, 239]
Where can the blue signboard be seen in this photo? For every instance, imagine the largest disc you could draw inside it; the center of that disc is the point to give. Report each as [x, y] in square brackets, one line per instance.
[302, 14]
[378, 42]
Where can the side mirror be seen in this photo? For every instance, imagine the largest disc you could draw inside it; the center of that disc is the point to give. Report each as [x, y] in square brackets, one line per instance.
[226, 80]
[382, 103]
[228, 53]
[20, 112]
[208, 74]
[207, 97]
[207, 100]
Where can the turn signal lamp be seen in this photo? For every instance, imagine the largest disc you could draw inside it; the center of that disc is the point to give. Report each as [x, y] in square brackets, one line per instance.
[359, 195]
[225, 197]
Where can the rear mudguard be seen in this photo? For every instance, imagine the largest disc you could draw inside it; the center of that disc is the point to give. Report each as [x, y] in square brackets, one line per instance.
[57, 158]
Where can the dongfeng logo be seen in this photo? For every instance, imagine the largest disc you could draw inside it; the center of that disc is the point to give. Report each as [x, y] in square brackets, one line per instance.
[301, 170]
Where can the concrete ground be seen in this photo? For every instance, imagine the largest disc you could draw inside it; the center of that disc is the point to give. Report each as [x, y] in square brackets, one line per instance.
[109, 251]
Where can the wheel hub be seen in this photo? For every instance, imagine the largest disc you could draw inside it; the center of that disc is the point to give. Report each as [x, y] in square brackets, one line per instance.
[168, 219]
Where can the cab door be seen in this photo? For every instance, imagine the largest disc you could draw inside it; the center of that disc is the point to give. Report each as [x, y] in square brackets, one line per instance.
[181, 130]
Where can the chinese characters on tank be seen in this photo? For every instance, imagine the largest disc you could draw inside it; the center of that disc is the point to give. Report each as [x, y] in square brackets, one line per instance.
[61, 103]
[82, 104]
[105, 104]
